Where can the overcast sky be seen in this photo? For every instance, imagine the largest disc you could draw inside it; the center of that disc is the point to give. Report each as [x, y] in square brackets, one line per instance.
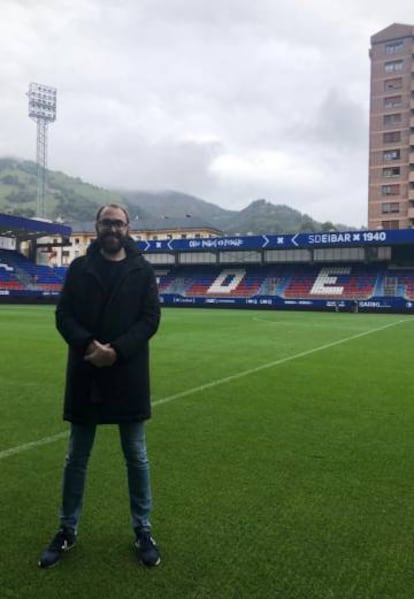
[228, 100]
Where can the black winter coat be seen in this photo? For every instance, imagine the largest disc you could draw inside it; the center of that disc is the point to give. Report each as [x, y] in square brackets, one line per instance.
[127, 320]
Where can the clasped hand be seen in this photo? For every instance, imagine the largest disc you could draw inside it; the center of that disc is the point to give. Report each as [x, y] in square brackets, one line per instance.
[100, 354]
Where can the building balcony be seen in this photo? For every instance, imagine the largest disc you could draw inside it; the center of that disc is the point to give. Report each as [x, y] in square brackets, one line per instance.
[410, 212]
[411, 140]
[411, 194]
[411, 176]
[411, 158]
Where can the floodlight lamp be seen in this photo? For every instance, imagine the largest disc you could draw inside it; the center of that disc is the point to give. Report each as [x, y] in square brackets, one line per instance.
[42, 102]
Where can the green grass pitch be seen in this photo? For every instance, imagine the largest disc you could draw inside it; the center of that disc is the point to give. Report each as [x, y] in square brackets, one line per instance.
[282, 455]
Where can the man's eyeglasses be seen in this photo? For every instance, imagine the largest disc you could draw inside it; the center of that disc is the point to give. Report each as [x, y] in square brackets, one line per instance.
[108, 223]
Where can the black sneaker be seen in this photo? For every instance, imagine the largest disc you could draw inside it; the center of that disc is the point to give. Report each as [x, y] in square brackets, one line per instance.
[147, 547]
[64, 540]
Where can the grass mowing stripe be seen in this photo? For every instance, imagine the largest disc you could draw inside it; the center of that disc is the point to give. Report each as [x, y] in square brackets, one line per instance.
[46, 440]
[239, 375]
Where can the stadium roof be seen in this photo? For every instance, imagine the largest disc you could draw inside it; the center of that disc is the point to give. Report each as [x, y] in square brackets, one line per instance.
[30, 228]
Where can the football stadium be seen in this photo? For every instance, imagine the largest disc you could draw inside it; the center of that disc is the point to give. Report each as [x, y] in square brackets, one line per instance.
[281, 444]
[280, 382]
[370, 271]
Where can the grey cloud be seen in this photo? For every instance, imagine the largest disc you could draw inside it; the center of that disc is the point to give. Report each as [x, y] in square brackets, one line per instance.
[151, 93]
[338, 124]
[139, 164]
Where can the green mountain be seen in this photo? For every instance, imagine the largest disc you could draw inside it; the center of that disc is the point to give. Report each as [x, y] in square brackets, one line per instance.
[261, 216]
[172, 204]
[72, 200]
[69, 198]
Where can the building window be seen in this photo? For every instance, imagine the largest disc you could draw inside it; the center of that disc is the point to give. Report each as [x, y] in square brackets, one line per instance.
[155, 237]
[390, 84]
[392, 119]
[392, 155]
[391, 171]
[392, 137]
[393, 47]
[392, 102]
[183, 236]
[393, 65]
[390, 208]
[390, 224]
[390, 190]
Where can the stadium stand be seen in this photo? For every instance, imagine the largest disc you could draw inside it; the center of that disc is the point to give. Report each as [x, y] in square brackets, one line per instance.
[353, 269]
[350, 282]
[318, 286]
[8, 278]
[360, 282]
[24, 274]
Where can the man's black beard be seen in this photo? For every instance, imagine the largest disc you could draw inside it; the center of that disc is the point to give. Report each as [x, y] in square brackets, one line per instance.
[112, 248]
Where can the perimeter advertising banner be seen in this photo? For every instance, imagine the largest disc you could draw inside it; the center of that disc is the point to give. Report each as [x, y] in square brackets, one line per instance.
[283, 242]
[375, 304]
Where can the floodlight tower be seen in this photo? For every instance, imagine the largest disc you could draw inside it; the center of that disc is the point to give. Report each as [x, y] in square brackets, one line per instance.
[42, 109]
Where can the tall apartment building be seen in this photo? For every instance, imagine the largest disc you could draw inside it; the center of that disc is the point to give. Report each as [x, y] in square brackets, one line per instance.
[391, 135]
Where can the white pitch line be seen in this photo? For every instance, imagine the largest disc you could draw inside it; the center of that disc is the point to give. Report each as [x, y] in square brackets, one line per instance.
[20, 448]
[13, 450]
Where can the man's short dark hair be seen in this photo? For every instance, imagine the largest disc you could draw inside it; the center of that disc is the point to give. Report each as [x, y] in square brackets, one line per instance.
[117, 206]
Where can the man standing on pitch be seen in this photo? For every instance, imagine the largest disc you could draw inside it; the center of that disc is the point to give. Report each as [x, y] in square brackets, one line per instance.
[107, 312]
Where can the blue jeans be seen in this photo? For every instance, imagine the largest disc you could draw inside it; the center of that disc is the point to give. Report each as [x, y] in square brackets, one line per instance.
[74, 475]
